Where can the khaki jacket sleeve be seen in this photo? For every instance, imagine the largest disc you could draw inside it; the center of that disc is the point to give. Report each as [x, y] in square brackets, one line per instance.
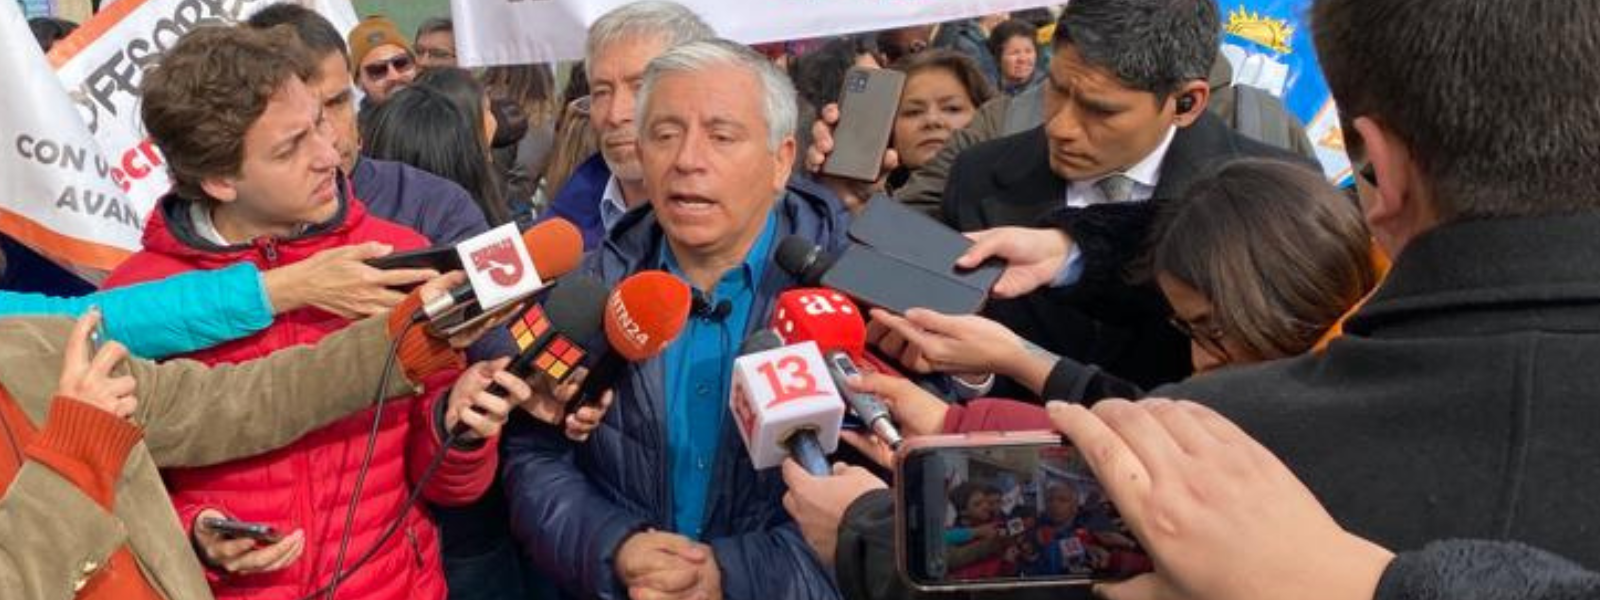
[924, 190]
[196, 415]
[52, 535]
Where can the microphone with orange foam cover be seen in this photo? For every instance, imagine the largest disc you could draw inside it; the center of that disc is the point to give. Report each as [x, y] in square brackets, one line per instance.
[554, 247]
[645, 312]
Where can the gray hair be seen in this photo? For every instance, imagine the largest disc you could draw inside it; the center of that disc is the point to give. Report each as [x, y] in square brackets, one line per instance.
[668, 21]
[778, 102]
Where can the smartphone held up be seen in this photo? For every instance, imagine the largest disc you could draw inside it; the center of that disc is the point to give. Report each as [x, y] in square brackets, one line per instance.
[993, 511]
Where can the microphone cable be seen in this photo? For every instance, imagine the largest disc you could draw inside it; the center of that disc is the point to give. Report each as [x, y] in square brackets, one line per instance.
[404, 507]
[379, 398]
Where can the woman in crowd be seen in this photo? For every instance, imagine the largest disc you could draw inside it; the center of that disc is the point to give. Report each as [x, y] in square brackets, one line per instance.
[521, 160]
[1259, 261]
[574, 142]
[942, 93]
[441, 125]
[1016, 51]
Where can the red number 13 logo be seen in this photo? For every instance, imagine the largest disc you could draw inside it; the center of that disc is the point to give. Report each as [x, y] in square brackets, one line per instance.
[790, 379]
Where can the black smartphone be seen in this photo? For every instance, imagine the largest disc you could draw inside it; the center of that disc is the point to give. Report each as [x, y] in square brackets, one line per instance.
[232, 529]
[1006, 510]
[867, 108]
[442, 259]
[893, 228]
[895, 285]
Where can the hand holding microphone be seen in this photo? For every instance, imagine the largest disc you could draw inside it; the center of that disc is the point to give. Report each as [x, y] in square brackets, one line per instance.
[549, 337]
[915, 411]
[818, 502]
[479, 412]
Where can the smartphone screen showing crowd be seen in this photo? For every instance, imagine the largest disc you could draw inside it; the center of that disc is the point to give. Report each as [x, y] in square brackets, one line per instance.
[990, 511]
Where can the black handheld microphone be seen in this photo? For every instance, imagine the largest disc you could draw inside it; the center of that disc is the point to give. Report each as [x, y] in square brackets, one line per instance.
[549, 336]
[802, 258]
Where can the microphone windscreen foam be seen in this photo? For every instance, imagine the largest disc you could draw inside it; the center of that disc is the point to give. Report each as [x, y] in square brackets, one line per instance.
[555, 246]
[646, 312]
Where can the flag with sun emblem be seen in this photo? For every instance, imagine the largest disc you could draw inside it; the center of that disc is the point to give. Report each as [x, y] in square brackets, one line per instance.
[1271, 50]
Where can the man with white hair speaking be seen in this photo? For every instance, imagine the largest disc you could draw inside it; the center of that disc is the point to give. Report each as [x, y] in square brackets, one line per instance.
[663, 502]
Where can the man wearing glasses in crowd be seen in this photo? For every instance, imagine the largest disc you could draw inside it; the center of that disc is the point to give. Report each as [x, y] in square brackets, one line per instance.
[436, 43]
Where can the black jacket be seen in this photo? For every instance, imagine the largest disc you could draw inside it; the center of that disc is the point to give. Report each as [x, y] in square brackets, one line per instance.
[1463, 400]
[1479, 570]
[1104, 319]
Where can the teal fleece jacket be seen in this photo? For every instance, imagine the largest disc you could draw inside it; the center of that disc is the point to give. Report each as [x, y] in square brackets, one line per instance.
[176, 315]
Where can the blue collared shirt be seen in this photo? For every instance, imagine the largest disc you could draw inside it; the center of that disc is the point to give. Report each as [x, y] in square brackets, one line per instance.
[699, 369]
[612, 206]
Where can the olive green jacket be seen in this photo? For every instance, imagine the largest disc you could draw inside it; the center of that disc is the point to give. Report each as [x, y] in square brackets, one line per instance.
[53, 537]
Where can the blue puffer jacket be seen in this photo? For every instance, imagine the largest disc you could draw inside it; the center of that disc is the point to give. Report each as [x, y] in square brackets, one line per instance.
[572, 505]
[579, 201]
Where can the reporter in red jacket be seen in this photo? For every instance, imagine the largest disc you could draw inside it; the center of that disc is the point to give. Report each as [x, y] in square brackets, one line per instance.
[255, 179]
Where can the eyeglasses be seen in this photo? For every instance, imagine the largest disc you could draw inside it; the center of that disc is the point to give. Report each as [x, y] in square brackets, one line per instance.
[400, 64]
[1208, 337]
[436, 53]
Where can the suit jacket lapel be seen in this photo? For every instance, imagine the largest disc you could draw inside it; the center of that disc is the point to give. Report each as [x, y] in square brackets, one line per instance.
[1025, 187]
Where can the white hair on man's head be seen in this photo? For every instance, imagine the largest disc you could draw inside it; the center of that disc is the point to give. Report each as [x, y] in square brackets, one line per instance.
[777, 92]
[669, 22]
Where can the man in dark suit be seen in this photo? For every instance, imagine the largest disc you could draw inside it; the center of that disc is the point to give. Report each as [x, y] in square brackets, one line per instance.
[1125, 131]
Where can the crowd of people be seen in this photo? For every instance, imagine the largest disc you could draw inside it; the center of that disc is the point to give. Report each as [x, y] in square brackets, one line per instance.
[1272, 387]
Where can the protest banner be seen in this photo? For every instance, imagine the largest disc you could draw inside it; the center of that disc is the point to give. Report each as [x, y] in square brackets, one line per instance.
[78, 177]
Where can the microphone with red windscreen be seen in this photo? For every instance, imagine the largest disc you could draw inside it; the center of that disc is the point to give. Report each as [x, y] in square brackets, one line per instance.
[644, 313]
[830, 319]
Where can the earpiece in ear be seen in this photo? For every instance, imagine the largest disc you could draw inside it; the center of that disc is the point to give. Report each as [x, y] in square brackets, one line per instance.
[1185, 104]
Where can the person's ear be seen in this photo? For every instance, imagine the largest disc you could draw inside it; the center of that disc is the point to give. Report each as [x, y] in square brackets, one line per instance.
[221, 189]
[1190, 101]
[785, 158]
[1396, 208]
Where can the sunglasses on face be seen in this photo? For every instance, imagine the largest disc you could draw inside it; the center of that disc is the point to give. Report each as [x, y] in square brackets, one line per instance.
[378, 70]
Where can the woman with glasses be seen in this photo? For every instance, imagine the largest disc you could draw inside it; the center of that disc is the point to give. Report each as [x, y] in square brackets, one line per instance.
[1259, 261]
